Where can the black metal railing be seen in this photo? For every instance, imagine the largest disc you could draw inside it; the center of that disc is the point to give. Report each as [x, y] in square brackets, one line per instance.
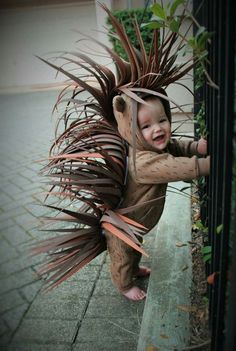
[218, 17]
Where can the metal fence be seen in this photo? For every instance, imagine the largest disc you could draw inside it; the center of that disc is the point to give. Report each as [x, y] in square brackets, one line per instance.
[219, 17]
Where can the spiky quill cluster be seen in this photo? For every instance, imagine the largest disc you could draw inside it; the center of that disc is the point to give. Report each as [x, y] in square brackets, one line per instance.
[87, 162]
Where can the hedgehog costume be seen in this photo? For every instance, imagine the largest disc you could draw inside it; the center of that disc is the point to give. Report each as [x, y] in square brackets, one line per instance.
[112, 182]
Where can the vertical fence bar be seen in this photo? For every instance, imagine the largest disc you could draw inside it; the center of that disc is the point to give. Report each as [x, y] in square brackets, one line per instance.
[218, 16]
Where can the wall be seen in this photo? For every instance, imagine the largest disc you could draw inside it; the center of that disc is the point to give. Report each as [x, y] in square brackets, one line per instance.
[25, 32]
[38, 30]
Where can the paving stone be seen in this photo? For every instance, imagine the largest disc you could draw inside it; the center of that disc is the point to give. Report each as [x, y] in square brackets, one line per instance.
[104, 286]
[26, 221]
[35, 184]
[45, 331]
[24, 250]
[10, 300]
[3, 328]
[30, 291]
[4, 340]
[37, 210]
[67, 309]
[35, 167]
[18, 264]
[28, 189]
[37, 347]
[5, 161]
[105, 272]
[14, 157]
[98, 260]
[73, 289]
[5, 171]
[19, 167]
[12, 190]
[6, 223]
[28, 174]
[115, 306]
[4, 198]
[14, 316]
[21, 181]
[102, 330]
[111, 346]
[88, 273]
[5, 214]
[15, 235]
[18, 203]
[40, 196]
[32, 192]
[17, 280]
[6, 251]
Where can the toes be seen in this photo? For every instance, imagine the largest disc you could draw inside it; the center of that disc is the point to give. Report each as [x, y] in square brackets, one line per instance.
[135, 294]
[141, 295]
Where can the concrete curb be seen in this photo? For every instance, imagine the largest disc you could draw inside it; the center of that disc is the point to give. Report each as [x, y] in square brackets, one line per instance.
[165, 323]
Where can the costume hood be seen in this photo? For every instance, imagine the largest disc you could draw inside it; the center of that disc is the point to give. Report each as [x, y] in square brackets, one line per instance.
[125, 110]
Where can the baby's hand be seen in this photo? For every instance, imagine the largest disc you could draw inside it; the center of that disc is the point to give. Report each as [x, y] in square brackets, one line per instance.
[202, 146]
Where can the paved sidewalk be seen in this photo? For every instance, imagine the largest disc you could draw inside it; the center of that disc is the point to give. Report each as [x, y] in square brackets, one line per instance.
[83, 314]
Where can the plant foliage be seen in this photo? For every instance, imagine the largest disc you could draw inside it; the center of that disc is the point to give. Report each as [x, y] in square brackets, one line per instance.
[126, 17]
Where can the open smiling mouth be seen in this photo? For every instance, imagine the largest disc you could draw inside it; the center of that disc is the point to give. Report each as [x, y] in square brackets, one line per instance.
[160, 138]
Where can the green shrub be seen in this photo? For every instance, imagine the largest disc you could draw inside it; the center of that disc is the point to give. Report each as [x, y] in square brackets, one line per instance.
[126, 18]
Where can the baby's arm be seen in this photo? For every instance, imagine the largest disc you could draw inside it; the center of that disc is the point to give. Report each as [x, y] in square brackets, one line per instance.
[153, 168]
[187, 147]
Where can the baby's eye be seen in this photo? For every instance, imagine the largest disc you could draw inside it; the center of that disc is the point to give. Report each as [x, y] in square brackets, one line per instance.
[145, 126]
[163, 120]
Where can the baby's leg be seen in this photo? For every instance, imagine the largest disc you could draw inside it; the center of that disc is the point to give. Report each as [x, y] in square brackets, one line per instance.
[123, 265]
[140, 271]
[143, 272]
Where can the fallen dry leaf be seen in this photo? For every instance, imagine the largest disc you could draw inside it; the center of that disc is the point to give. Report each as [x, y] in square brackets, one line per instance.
[151, 348]
[184, 268]
[211, 278]
[201, 314]
[186, 308]
[192, 242]
[196, 216]
[164, 336]
[180, 244]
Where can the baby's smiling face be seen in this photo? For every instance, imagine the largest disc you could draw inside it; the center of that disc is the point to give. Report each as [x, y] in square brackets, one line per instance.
[154, 124]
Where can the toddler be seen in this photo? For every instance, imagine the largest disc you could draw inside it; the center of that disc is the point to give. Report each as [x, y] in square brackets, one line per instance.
[154, 160]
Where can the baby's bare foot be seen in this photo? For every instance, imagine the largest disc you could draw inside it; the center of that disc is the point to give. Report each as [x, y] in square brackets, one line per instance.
[135, 294]
[143, 272]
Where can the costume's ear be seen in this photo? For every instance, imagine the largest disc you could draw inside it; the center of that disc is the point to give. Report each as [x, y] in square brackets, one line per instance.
[118, 104]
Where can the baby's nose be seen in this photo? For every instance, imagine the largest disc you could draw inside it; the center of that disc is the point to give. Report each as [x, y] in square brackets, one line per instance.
[157, 127]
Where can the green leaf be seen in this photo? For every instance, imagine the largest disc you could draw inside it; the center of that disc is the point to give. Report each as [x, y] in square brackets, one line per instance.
[206, 250]
[174, 6]
[198, 85]
[207, 258]
[192, 42]
[157, 18]
[199, 224]
[200, 31]
[219, 229]
[158, 10]
[152, 25]
[205, 300]
[203, 55]
[174, 26]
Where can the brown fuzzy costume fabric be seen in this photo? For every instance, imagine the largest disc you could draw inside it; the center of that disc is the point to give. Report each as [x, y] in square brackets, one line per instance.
[147, 179]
